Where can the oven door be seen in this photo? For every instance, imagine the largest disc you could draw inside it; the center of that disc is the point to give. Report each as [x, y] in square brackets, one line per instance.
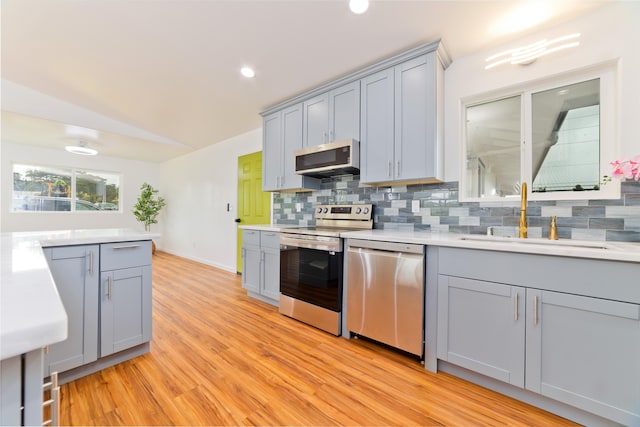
[312, 275]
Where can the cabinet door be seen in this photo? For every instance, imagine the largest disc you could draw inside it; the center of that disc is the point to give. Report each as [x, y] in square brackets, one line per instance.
[344, 111]
[11, 391]
[415, 119]
[316, 121]
[271, 274]
[125, 310]
[291, 141]
[481, 327]
[251, 266]
[271, 152]
[585, 352]
[75, 272]
[376, 121]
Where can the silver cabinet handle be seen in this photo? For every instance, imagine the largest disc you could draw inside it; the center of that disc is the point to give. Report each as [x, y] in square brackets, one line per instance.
[389, 168]
[91, 263]
[324, 137]
[330, 135]
[515, 307]
[109, 284]
[535, 310]
[397, 168]
[126, 247]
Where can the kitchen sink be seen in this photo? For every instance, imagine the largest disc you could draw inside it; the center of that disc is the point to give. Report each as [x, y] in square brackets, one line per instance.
[538, 241]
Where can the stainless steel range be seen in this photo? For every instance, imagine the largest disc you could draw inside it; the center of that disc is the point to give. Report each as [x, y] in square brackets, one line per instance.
[311, 261]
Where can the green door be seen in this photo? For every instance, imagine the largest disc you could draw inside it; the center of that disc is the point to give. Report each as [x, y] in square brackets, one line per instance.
[254, 205]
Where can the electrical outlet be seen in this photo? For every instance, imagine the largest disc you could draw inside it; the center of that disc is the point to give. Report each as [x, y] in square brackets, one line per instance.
[415, 206]
[298, 207]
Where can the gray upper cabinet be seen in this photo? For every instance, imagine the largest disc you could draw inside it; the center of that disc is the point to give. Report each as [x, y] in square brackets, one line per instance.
[394, 108]
[75, 272]
[282, 136]
[401, 122]
[125, 296]
[332, 116]
[377, 118]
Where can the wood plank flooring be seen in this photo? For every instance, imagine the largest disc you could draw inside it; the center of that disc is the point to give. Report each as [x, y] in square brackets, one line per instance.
[219, 357]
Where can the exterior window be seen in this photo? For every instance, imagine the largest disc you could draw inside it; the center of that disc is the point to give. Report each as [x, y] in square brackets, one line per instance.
[52, 189]
[557, 135]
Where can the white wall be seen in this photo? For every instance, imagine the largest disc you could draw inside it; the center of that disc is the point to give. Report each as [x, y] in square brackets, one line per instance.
[609, 33]
[133, 174]
[197, 188]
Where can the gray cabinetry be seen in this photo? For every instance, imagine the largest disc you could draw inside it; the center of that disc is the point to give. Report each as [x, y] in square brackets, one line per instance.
[261, 264]
[400, 125]
[546, 324]
[483, 326]
[21, 391]
[125, 295]
[75, 272]
[585, 352]
[282, 136]
[332, 116]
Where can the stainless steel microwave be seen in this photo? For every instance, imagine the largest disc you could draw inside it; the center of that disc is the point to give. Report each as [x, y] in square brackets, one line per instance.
[333, 158]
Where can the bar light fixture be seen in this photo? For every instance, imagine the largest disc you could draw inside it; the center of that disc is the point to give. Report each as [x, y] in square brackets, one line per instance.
[527, 54]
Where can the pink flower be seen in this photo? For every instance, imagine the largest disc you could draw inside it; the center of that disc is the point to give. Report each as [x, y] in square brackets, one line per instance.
[626, 169]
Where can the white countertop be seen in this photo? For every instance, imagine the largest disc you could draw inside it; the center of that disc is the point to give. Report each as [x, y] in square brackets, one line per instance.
[616, 251]
[32, 315]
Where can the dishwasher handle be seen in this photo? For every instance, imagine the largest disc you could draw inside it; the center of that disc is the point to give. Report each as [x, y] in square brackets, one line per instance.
[411, 248]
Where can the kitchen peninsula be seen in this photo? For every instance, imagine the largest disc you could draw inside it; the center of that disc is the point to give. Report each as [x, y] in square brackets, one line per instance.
[39, 308]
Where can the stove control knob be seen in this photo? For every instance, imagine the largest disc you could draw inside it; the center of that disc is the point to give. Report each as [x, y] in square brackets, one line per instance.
[358, 210]
[319, 210]
[365, 211]
[325, 210]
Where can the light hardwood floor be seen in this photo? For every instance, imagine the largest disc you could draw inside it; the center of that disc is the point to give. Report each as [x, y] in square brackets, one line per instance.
[219, 357]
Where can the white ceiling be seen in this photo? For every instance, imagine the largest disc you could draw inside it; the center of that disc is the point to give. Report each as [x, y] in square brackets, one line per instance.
[160, 78]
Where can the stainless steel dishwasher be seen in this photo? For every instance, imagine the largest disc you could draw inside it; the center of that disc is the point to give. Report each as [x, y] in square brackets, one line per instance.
[385, 293]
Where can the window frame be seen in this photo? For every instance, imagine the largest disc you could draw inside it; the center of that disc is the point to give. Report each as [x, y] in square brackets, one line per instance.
[607, 73]
[74, 172]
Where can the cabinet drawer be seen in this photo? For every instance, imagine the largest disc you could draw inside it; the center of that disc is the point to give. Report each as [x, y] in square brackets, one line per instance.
[251, 237]
[114, 256]
[270, 239]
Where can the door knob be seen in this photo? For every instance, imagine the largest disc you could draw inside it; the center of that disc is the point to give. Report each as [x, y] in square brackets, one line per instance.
[238, 220]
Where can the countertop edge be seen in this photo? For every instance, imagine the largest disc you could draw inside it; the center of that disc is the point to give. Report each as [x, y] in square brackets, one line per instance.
[33, 314]
[627, 252]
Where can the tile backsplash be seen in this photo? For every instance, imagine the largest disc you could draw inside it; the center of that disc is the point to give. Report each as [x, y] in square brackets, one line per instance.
[440, 210]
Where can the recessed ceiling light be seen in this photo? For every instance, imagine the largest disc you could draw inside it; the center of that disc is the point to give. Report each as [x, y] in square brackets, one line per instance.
[247, 72]
[81, 148]
[358, 6]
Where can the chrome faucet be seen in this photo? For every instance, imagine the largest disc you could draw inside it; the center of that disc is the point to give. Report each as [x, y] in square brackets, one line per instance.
[523, 211]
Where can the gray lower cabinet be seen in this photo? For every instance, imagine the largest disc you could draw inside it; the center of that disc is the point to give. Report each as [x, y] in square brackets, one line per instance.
[125, 295]
[261, 264]
[21, 390]
[550, 325]
[75, 272]
[482, 327]
[586, 352]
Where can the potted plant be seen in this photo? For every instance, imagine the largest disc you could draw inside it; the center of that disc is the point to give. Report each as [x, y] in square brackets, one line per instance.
[148, 207]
